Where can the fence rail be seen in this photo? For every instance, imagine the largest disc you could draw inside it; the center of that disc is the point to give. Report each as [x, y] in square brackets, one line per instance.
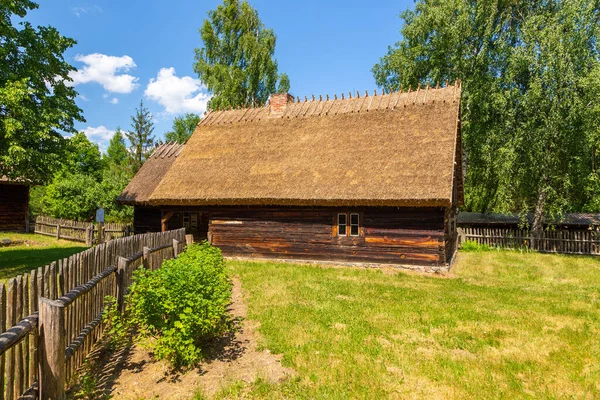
[51, 317]
[553, 241]
[80, 231]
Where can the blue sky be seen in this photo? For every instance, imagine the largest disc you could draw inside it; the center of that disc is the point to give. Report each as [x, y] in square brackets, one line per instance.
[131, 50]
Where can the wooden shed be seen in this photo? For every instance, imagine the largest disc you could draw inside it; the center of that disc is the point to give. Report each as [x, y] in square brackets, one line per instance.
[14, 205]
[360, 178]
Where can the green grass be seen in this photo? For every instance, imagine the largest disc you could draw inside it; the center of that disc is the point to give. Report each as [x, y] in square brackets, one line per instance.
[503, 325]
[35, 251]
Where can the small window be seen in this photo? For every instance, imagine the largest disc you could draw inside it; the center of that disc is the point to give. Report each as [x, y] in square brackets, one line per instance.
[354, 218]
[186, 220]
[194, 222]
[348, 224]
[342, 224]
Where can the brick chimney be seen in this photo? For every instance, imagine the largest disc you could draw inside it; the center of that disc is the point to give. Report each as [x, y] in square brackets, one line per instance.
[279, 101]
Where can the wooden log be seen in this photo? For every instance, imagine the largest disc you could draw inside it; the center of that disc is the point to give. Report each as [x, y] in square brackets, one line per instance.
[3, 329]
[89, 236]
[175, 248]
[52, 349]
[146, 257]
[122, 267]
[11, 320]
[15, 334]
[189, 239]
[100, 233]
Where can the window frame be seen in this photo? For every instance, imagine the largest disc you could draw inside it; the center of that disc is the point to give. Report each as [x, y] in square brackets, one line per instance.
[345, 224]
[357, 225]
[348, 225]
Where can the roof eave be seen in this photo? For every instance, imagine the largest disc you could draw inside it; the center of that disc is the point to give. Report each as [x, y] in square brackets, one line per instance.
[303, 202]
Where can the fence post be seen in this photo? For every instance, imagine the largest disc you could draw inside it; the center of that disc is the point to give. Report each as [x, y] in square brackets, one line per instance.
[122, 265]
[127, 230]
[52, 343]
[146, 257]
[100, 233]
[89, 236]
[189, 239]
[57, 231]
[175, 248]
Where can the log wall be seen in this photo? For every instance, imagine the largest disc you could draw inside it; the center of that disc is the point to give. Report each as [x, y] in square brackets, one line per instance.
[388, 235]
[14, 204]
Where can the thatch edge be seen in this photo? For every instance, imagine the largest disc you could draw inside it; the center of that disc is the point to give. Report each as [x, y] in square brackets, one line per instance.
[303, 202]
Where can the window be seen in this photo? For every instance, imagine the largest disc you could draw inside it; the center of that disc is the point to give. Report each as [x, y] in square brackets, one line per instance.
[348, 224]
[190, 220]
[354, 224]
[342, 224]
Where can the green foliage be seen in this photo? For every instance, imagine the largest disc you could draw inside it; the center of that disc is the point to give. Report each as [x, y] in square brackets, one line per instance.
[83, 157]
[140, 138]
[182, 303]
[183, 127]
[531, 73]
[117, 328]
[114, 181]
[471, 245]
[236, 62]
[36, 103]
[72, 196]
[117, 154]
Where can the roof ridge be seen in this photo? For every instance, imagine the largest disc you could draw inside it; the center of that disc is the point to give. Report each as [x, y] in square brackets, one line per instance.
[388, 99]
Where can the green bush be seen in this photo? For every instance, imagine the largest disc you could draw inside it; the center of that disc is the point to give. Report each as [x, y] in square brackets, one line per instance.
[471, 245]
[182, 304]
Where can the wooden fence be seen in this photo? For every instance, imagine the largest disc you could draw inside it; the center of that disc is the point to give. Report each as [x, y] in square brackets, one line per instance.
[554, 241]
[80, 231]
[53, 314]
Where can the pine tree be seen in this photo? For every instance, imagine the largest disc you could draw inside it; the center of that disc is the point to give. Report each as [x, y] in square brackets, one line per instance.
[140, 138]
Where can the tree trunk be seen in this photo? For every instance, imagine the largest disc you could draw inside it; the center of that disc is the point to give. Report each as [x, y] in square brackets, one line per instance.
[537, 228]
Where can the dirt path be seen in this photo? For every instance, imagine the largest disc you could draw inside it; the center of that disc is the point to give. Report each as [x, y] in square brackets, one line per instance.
[132, 373]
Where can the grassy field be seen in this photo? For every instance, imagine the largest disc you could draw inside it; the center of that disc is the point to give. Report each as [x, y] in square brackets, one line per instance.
[502, 325]
[35, 251]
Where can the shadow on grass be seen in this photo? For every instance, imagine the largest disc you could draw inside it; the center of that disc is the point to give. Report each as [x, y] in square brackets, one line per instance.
[17, 261]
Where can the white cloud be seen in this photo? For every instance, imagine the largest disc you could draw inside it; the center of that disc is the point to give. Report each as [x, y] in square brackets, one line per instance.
[104, 70]
[80, 10]
[82, 97]
[114, 100]
[177, 95]
[100, 135]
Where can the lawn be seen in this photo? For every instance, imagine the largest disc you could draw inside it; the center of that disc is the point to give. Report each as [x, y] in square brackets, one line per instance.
[32, 252]
[502, 325]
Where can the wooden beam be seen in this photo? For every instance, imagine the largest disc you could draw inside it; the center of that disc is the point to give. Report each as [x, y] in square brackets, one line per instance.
[164, 221]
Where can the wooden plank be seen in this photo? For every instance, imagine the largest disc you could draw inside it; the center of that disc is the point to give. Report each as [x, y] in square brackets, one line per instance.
[3, 305]
[52, 349]
[11, 320]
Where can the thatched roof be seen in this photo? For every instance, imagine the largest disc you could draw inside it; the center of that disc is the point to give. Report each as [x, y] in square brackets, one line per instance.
[395, 149]
[148, 177]
[6, 180]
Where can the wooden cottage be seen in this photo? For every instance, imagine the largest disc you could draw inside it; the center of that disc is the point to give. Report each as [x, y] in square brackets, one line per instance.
[369, 179]
[14, 205]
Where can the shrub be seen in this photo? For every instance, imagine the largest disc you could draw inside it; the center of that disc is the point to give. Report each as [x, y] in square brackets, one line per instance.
[182, 304]
[471, 245]
[117, 328]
